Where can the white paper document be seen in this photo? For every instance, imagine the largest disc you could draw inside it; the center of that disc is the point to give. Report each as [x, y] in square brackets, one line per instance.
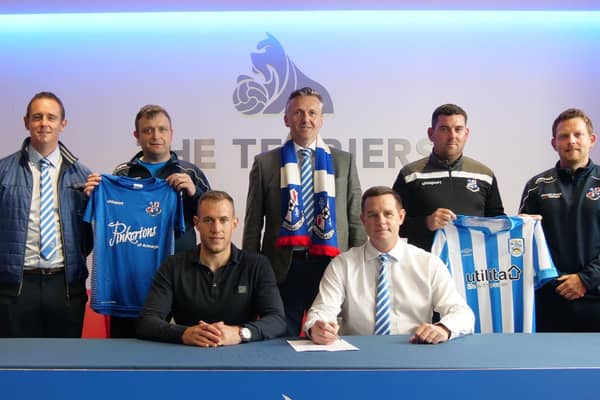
[308, 345]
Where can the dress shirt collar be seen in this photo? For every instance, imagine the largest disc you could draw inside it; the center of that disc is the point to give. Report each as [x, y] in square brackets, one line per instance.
[35, 156]
[395, 253]
[312, 146]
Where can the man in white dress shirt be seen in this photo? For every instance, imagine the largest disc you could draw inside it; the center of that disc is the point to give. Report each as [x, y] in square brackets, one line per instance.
[419, 283]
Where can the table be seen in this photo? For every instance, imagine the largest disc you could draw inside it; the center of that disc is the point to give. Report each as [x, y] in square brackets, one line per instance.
[496, 366]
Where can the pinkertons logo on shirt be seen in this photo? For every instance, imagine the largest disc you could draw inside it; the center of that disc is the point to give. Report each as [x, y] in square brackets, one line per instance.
[153, 208]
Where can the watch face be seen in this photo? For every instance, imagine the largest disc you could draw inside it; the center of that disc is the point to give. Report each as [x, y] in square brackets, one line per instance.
[246, 334]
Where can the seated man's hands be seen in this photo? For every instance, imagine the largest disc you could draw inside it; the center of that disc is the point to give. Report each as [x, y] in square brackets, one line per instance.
[324, 332]
[229, 334]
[211, 335]
[430, 334]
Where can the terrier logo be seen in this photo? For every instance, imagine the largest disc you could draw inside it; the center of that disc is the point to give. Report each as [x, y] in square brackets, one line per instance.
[153, 208]
[593, 193]
[472, 185]
[276, 76]
[324, 224]
[294, 219]
[516, 247]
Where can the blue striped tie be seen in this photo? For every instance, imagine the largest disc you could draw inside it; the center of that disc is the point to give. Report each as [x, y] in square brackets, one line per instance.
[306, 177]
[47, 228]
[382, 305]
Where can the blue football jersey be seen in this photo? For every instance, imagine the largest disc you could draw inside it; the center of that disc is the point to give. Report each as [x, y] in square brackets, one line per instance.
[497, 263]
[135, 222]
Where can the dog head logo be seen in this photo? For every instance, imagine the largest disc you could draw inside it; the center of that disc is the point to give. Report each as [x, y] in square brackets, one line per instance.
[275, 77]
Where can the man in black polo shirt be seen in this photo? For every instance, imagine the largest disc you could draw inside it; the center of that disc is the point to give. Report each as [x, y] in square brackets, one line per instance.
[215, 292]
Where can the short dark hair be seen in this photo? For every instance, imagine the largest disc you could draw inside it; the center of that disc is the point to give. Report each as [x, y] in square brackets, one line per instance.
[46, 95]
[150, 111]
[215, 195]
[447, 109]
[570, 114]
[305, 91]
[377, 191]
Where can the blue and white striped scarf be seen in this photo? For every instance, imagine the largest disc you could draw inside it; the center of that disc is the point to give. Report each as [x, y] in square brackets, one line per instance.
[294, 232]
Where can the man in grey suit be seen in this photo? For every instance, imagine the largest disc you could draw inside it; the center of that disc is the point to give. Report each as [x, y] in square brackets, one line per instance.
[305, 224]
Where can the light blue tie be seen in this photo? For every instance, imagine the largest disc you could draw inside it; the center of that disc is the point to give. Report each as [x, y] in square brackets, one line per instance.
[47, 228]
[382, 298]
[306, 178]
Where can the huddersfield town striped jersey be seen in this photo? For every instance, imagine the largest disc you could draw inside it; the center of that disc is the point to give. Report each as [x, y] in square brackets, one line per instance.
[134, 225]
[497, 263]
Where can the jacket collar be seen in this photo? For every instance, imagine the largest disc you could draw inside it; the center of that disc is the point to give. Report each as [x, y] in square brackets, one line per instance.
[443, 164]
[567, 173]
[136, 158]
[68, 157]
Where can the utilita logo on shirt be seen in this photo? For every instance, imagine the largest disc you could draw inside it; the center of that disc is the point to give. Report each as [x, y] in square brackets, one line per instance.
[492, 277]
[122, 233]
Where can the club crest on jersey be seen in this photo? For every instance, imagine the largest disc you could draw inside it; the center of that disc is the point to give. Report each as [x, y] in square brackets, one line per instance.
[294, 219]
[153, 208]
[472, 185]
[516, 247]
[593, 193]
[323, 224]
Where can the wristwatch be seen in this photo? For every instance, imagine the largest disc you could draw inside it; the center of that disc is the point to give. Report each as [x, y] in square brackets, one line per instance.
[245, 334]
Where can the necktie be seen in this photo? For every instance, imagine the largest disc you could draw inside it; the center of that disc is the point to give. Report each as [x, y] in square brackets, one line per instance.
[382, 298]
[47, 228]
[306, 178]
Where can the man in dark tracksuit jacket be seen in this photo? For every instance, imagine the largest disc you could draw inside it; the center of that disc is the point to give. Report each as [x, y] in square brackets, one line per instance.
[435, 189]
[568, 199]
[154, 135]
[42, 287]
